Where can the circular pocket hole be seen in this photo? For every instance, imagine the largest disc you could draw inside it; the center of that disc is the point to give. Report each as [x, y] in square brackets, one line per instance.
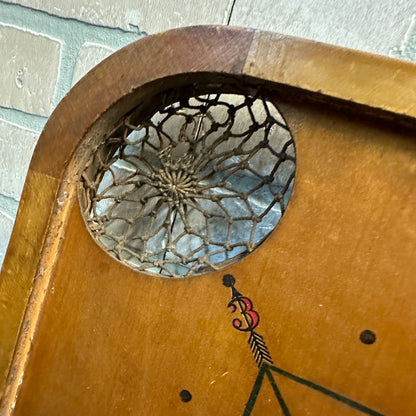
[193, 187]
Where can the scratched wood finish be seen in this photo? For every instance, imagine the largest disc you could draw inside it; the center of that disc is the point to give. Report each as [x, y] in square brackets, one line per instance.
[99, 338]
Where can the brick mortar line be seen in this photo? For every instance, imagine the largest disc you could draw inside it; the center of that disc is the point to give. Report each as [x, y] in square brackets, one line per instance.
[71, 33]
[71, 20]
[22, 119]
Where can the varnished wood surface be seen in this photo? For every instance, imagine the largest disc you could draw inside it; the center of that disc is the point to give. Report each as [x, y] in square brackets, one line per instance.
[100, 338]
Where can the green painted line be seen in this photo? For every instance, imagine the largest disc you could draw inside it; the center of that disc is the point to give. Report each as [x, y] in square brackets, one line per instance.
[351, 403]
[277, 392]
[255, 391]
[267, 369]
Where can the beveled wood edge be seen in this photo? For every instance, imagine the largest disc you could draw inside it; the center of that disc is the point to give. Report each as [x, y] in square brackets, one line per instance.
[359, 78]
[54, 237]
[293, 62]
[21, 265]
[325, 71]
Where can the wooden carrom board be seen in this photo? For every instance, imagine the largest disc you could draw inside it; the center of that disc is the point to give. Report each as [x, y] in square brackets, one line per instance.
[315, 315]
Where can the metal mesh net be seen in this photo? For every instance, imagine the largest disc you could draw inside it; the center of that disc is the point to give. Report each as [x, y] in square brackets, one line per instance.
[192, 188]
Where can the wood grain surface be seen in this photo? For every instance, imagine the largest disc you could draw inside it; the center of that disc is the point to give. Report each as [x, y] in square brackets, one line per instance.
[101, 339]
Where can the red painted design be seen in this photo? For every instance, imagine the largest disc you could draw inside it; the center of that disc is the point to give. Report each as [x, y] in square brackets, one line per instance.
[251, 317]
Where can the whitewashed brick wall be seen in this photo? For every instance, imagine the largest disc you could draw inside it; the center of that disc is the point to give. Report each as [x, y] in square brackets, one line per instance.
[46, 46]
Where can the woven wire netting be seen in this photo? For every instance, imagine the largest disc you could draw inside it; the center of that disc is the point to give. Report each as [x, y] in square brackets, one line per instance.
[194, 187]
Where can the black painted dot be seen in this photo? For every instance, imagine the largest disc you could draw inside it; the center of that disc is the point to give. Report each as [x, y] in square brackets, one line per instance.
[185, 396]
[368, 337]
[228, 280]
